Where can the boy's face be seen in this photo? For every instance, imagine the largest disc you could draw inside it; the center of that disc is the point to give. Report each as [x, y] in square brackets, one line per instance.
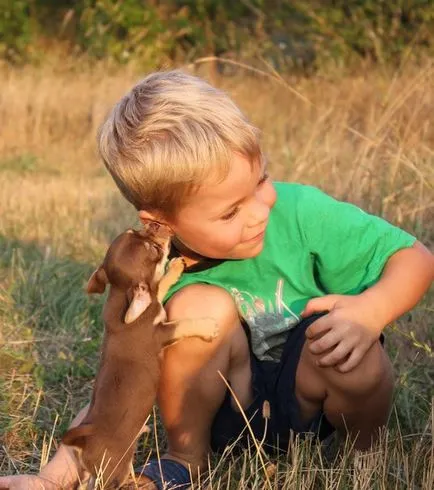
[227, 220]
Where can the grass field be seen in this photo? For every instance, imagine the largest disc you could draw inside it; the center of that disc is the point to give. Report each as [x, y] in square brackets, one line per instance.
[367, 138]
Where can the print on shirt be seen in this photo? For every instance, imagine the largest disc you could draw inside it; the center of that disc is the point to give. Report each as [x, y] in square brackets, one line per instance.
[268, 321]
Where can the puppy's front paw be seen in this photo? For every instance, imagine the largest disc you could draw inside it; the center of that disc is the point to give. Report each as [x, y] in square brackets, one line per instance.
[212, 330]
[215, 331]
[177, 266]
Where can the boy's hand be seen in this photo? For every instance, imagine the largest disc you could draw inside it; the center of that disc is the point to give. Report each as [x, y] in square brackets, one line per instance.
[343, 335]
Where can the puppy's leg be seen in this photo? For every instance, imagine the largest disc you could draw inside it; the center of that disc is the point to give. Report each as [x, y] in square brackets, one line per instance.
[175, 269]
[204, 328]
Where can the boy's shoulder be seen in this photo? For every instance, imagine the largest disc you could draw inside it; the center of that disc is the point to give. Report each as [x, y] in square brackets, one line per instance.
[297, 193]
[309, 203]
[319, 221]
[291, 189]
[298, 200]
[295, 204]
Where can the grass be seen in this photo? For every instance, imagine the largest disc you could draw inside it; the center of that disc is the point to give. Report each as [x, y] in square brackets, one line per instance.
[365, 137]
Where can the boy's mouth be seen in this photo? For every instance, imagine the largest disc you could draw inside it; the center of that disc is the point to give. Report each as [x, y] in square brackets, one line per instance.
[257, 237]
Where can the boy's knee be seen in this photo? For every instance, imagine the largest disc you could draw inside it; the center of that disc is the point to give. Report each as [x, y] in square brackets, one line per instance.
[204, 301]
[372, 374]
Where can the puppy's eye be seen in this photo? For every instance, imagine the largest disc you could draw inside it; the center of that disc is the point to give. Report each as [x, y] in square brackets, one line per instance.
[157, 250]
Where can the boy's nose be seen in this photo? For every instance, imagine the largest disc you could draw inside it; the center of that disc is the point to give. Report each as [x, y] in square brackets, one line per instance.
[262, 204]
[259, 213]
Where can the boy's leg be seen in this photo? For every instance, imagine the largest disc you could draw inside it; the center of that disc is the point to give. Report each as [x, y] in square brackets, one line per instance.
[191, 390]
[357, 402]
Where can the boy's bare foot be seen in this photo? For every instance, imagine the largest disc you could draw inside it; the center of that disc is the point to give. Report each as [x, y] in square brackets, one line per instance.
[27, 482]
[62, 472]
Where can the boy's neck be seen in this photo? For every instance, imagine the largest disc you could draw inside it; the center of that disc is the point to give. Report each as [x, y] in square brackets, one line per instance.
[191, 258]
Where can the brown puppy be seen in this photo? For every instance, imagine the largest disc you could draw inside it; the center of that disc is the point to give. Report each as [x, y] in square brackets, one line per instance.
[126, 385]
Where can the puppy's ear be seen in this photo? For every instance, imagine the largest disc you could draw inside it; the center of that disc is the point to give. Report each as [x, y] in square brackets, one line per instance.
[97, 282]
[141, 300]
[77, 435]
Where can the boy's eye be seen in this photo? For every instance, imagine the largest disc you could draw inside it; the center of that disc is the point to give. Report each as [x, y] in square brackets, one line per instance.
[231, 214]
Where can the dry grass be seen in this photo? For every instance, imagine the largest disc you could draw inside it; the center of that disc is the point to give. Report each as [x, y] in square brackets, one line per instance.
[367, 138]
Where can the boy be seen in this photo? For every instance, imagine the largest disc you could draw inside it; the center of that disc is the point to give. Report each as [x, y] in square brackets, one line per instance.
[301, 285]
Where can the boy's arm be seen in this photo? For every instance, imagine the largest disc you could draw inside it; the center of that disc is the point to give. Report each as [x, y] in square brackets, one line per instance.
[406, 277]
[355, 322]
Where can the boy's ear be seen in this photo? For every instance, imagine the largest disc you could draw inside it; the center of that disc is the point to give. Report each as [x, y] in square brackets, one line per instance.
[140, 301]
[77, 435]
[97, 282]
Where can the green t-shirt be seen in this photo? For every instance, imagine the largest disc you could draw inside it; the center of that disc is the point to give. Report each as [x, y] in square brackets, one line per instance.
[314, 245]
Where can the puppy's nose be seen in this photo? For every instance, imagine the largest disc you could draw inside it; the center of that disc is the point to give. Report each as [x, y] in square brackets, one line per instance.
[163, 231]
[158, 232]
[153, 226]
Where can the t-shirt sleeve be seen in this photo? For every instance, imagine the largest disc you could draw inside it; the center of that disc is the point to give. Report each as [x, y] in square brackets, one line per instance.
[349, 247]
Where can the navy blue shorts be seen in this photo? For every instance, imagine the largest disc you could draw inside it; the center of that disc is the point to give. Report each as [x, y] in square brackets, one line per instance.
[274, 382]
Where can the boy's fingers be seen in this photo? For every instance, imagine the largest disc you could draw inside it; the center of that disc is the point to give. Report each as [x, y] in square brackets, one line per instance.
[352, 362]
[319, 327]
[335, 356]
[319, 305]
[326, 342]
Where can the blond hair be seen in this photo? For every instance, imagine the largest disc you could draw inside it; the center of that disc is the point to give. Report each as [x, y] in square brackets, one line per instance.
[169, 134]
